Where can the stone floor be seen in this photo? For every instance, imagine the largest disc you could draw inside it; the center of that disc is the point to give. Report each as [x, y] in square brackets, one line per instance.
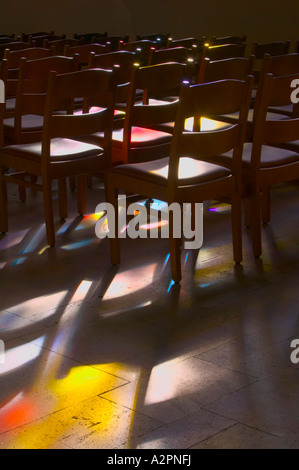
[103, 358]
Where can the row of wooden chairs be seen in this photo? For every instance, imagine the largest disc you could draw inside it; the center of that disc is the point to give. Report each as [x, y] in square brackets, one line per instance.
[14, 156]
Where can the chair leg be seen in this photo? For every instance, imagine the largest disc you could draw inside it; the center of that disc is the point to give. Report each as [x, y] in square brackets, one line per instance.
[81, 195]
[48, 210]
[236, 215]
[89, 181]
[62, 198]
[266, 204]
[175, 251]
[72, 181]
[112, 198]
[3, 203]
[256, 224]
[22, 193]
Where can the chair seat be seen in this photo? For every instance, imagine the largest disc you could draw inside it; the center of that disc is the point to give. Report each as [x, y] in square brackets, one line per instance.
[287, 110]
[292, 146]
[29, 122]
[191, 171]
[61, 150]
[270, 157]
[140, 135]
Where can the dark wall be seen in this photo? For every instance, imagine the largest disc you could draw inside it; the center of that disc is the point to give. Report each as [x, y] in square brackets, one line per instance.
[261, 20]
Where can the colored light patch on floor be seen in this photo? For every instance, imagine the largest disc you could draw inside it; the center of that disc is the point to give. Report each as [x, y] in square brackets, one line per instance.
[18, 411]
[14, 239]
[89, 220]
[65, 227]
[130, 281]
[38, 304]
[43, 249]
[18, 261]
[162, 384]
[76, 401]
[82, 291]
[219, 208]
[78, 245]
[21, 355]
[34, 241]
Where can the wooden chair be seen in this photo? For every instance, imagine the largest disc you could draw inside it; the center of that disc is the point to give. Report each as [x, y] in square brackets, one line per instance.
[189, 42]
[83, 52]
[59, 44]
[172, 54]
[227, 40]
[114, 41]
[124, 61]
[26, 37]
[280, 65]
[141, 48]
[13, 46]
[273, 155]
[25, 126]
[11, 67]
[269, 165]
[272, 48]
[186, 176]
[89, 38]
[39, 40]
[139, 137]
[10, 36]
[58, 155]
[224, 51]
[231, 68]
[195, 45]
[6, 40]
[161, 40]
[236, 68]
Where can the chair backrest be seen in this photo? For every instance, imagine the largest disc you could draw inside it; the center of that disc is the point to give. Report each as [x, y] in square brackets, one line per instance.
[40, 40]
[194, 44]
[281, 65]
[113, 41]
[13, 46]
[285, 64]
[275, 91]
[272, 48]
[141, 48]
[209, 100]
[109, 59]
[6, 39]
[161, 40]
[59, 45]
[11, 61]
[124, 61]
[190, 42]
[224, 51]
[171, 54]
[26, 36]
[227, 40]
[237, 68]
[32, 86]
[157, 80]
[96, 87]
[84, 50]
[89, 38]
